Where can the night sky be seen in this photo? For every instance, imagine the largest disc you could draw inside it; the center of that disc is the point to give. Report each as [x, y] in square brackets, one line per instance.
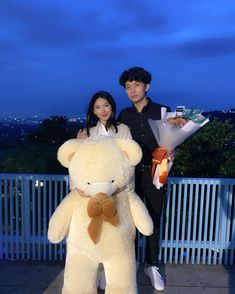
[54, 54]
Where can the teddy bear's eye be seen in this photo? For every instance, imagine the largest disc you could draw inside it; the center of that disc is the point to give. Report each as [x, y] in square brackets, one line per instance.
[88, 183]
[112, 181]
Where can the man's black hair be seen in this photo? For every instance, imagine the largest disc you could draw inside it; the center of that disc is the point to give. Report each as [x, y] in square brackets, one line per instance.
[135, 74]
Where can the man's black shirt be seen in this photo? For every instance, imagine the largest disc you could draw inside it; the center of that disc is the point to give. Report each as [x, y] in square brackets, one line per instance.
[140, 128]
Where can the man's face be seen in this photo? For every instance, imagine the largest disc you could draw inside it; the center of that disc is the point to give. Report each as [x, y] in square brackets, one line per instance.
[136, 91]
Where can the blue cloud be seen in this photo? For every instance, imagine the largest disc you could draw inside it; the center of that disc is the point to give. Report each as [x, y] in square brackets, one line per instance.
[205, 47]
[39, 24]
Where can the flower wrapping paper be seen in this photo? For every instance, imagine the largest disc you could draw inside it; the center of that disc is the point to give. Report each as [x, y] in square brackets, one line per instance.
[170, 136]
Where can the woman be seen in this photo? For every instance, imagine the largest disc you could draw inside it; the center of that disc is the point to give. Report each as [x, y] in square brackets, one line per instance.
[101, 118]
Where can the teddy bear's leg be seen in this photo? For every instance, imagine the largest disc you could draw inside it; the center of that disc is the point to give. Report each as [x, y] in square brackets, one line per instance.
[80, 275]
[120, 272]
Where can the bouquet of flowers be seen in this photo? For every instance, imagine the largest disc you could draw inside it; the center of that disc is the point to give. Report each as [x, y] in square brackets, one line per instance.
[171, 131]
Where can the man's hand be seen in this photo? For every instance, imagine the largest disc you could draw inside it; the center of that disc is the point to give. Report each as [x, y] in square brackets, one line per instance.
[170, 154]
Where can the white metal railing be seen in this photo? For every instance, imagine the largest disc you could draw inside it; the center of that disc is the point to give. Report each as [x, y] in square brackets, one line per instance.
[197, 226]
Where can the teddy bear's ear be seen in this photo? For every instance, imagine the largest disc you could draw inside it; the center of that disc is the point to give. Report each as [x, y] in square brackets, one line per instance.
[67, 150]
[131, 149]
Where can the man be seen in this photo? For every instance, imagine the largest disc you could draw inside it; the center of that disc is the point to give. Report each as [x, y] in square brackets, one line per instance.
[136, 81]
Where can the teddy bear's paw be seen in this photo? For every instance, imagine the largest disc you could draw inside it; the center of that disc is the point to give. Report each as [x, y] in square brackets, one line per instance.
[117, 290]
[66, 291]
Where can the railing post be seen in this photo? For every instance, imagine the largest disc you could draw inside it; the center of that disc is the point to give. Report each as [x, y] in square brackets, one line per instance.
[1, 210]
[26, 216]
[223, 223]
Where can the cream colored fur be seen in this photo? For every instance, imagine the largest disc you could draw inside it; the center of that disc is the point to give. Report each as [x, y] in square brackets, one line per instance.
[97, 163]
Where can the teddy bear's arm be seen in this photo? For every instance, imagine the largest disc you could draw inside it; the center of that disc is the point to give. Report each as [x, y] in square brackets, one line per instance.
[60, 220]
[141, 217]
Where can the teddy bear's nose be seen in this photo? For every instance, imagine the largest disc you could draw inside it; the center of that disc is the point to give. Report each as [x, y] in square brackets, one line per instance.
[101, 187]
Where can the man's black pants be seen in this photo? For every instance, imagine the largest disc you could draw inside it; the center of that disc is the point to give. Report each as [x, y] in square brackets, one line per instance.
[153, 199]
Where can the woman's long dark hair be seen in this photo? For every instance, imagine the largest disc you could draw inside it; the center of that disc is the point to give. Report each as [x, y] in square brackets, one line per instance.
[92, 119]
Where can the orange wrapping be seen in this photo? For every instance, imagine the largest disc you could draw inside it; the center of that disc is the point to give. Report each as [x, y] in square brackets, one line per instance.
[160, 158]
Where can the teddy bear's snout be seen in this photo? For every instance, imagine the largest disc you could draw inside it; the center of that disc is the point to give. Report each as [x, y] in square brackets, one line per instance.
[101, 187]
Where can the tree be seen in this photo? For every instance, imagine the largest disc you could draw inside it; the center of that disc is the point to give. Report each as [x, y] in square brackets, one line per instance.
[54, 131]
[208, 153]
[31, 159]
[40, 154]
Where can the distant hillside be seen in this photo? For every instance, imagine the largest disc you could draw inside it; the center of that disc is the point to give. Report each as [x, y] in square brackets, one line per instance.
[14, 132]
[221, 115]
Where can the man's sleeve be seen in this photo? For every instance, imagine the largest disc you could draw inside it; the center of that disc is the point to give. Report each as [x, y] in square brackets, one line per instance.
[168, 109]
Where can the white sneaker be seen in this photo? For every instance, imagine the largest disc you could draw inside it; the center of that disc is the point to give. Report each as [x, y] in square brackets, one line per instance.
[155, 277]
[101, 281]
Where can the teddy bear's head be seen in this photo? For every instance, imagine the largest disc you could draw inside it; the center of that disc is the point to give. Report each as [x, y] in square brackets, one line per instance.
[100, 164]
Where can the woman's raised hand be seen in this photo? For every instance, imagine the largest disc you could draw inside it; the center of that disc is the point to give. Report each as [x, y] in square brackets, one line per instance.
[82, 134]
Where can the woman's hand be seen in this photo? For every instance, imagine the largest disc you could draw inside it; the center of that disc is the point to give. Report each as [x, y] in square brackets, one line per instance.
[82, 134]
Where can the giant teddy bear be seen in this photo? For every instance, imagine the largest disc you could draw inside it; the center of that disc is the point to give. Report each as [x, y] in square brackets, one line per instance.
[100, 216]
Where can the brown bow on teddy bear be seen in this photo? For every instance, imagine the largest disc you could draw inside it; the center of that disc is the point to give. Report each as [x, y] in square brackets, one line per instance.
[101, 207]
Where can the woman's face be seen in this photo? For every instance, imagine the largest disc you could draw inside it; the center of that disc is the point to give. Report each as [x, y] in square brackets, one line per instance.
[102, 109]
